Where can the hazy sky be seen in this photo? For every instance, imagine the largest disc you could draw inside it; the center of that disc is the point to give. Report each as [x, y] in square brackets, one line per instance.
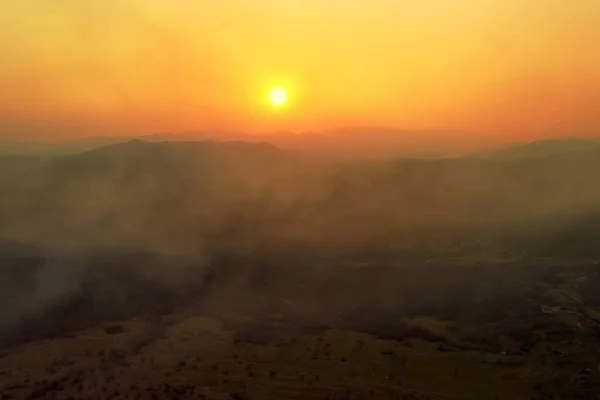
[87, 67]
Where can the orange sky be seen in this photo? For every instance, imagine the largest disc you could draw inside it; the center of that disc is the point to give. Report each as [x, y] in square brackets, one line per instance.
[89, 67]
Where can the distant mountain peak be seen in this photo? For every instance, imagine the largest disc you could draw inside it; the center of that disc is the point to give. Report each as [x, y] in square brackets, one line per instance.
[543, 148]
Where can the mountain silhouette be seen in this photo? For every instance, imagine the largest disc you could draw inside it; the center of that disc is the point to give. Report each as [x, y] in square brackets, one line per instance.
[191, 196]
[543, 148]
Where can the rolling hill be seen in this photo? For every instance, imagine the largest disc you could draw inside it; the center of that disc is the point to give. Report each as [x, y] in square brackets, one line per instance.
[177, 196]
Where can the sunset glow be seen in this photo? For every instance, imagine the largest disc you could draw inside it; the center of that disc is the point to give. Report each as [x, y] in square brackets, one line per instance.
[508, 67]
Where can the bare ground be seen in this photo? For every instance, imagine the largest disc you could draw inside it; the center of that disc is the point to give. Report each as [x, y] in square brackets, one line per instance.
[142, 327]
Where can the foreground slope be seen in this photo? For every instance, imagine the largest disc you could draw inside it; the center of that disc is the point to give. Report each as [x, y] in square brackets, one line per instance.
[359, 329]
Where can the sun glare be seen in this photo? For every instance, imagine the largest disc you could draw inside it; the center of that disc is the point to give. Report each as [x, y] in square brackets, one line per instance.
[278, 96]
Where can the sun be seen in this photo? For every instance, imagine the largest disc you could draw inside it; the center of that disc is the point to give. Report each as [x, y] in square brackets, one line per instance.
[278, 96]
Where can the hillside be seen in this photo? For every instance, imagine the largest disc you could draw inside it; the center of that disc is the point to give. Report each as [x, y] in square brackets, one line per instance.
[237, 270]
[178, 196]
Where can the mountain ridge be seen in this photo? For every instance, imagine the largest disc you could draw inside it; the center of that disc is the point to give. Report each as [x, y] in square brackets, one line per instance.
[178, 196]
